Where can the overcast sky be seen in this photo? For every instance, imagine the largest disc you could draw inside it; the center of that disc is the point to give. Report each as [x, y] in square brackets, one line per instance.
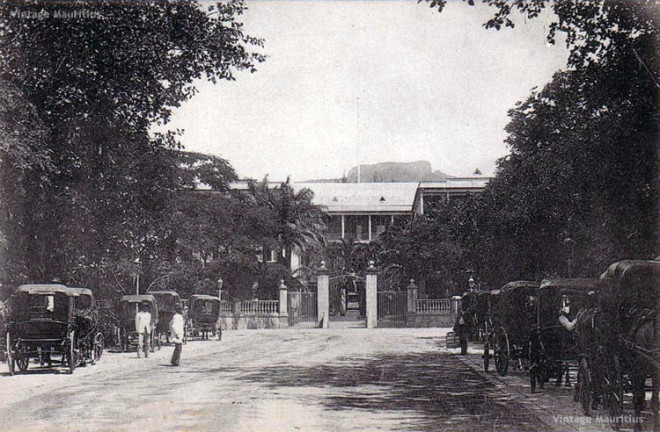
[431, 86]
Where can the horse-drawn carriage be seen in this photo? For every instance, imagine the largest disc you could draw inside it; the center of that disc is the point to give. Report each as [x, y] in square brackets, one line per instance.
[513, 316]
[474, 304]
[553, 343]
[617, 340]
[202, 319]
[52, 320]
[129, 306]
[167, 301]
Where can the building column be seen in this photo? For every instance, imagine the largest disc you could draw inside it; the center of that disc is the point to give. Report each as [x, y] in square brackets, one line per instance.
[371, 297]
[343, 234]
[323, 296]
[369, 228]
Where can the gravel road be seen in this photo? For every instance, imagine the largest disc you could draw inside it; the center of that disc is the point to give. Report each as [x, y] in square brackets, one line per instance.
[271, 380]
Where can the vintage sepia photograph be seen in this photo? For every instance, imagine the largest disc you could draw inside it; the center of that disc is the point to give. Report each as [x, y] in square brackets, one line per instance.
[329, 215]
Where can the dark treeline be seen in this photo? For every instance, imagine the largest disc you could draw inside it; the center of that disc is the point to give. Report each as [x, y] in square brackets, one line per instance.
[579, 188]
[88, 194]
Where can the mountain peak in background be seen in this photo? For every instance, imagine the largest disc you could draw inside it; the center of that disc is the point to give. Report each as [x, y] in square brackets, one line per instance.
[389, 172]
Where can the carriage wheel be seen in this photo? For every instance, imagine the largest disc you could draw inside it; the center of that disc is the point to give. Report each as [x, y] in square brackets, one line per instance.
[99, 344]
[22, 361]
[502, 351]
[614, 396]
[10, 355]
[585, 387]
[72, 356]
[486, 356]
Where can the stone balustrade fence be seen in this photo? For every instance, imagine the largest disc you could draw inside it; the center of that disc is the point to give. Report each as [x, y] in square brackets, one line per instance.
[260, 307]
[432, 306]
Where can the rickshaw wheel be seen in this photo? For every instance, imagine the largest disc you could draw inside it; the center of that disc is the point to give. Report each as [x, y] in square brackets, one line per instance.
[486, 356]
[99, 344]
[585, 387]
[614, 399]
[71, 352]
[10, 355]
[502, 352]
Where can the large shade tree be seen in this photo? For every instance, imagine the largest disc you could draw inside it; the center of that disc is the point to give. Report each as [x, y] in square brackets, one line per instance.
[597, 32]
[94, 87]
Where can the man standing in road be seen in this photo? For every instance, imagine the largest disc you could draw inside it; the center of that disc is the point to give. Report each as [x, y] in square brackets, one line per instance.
[143, 329]
[176, 334]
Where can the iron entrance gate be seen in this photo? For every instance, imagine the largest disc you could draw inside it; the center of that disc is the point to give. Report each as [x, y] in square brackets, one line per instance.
[392, 307]
[302, 307]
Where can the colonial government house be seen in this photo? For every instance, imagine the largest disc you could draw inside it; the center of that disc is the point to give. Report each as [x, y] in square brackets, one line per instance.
[363, 211]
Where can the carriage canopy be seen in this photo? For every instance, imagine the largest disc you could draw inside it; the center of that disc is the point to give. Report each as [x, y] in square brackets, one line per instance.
[629, 284]
[204, 308]
[515, 308]
[129, 306]
[53, 302]
[555, 294]
[167, 300]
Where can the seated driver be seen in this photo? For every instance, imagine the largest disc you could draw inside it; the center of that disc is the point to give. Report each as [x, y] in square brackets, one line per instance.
[565, 314]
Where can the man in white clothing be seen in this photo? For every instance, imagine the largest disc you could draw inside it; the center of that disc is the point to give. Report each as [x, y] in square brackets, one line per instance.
[143, 328]
[176, 334]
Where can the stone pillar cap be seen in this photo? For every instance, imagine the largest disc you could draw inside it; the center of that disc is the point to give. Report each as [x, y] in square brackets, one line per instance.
[322, 269]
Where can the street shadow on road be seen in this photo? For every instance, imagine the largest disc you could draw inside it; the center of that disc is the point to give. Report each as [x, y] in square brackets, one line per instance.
[436, 389]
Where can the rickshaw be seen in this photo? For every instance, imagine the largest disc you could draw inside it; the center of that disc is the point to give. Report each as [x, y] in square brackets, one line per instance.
[553, 345]
[167, 300]
[513, 316]
[52, 319]
[203, 314]
[129, 306]
[619, 353]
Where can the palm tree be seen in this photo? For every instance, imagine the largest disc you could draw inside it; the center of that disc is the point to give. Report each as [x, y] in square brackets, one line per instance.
[298, 221]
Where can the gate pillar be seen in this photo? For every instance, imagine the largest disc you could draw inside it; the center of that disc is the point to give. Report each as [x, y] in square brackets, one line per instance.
[323, 296]
[412, 297]
[283, 305]
[371, 297]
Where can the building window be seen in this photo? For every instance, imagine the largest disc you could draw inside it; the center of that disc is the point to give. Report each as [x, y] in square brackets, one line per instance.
[356, 227]
[379, 224]
[270, 254]
[334, 228]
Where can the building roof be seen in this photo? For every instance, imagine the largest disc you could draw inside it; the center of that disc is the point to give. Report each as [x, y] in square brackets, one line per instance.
[478, 182]
[363, 197]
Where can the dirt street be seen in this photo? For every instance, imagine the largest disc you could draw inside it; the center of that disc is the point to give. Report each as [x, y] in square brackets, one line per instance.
[271, 380]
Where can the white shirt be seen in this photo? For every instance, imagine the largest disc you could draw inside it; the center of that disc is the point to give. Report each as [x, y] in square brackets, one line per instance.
[143, 322]
[176, 328]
